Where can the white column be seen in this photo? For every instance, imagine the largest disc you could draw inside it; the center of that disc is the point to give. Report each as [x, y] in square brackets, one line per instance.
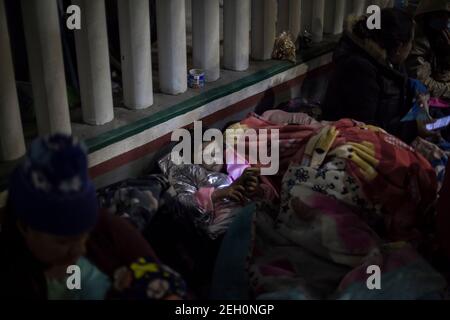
[45, 58]
[236, 36]
[206, 37]
[374, 2]
[289, 17]
[318, 20]
[379, 3]
[264, 15]
[93, 63]
[329, 16]
[359, 7]
[12, 143]
[295, 17]
[339, 16]
[348, 10]
[283, 16]
[171, 25]
[306, 15]
[389, 4]
[135, 47]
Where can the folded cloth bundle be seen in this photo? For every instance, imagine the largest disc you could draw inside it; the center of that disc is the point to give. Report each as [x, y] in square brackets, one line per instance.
[284, 48]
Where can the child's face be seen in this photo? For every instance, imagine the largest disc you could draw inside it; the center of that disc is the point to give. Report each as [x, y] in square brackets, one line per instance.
[403, 51]
[55, 250]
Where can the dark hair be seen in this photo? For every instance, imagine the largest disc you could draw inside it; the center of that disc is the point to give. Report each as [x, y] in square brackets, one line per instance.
[437, 42]
[396, 29]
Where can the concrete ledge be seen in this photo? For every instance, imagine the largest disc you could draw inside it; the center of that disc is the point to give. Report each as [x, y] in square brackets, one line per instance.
[115, 144]
[121, 140]
[197, 98]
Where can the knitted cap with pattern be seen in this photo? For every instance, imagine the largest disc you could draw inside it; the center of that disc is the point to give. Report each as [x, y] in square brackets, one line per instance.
[51, 191]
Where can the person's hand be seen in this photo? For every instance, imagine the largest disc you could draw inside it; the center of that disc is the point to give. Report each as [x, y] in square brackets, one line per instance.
[250, 180]
[423, 132]
[234, 192]
[422, 100]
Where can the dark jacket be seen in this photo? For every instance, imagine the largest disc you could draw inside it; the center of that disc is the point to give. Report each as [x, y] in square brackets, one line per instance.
[364, 86]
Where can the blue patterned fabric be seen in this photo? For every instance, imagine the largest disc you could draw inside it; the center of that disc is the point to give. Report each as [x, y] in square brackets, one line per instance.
[416, 112]
[146, 279]
[139, 200]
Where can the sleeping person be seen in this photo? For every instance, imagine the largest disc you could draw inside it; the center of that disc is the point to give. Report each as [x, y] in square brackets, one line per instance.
[213, 192]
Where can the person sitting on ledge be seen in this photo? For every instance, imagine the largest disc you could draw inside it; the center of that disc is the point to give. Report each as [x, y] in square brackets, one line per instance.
[370, 83]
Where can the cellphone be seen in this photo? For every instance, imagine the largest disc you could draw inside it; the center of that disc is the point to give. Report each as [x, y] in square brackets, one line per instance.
[438, 124]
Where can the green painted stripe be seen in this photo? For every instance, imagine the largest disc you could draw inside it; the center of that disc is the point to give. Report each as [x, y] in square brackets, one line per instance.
[129, 130]
[132, 129]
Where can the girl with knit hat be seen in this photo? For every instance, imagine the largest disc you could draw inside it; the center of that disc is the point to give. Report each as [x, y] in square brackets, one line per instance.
[52, 221]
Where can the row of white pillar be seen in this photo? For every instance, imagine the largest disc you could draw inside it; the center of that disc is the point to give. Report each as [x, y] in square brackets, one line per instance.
[43, 41]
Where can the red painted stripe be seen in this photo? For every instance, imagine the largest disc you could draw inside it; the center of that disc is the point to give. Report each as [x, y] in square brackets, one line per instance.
[154, 145]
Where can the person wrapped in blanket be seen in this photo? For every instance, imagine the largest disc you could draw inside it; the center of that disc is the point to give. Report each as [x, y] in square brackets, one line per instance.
[52, 224]
[352, 197]
[212, 192]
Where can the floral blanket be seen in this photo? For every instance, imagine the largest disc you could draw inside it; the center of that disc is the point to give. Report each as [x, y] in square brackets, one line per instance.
[353, 198]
